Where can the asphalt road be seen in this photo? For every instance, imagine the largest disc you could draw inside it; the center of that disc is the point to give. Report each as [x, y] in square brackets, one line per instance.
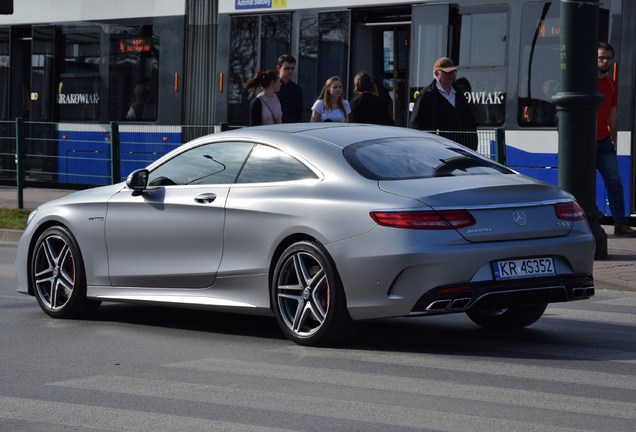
[136, 368]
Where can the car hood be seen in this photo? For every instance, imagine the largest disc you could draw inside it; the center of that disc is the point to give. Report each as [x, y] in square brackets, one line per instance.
[99, 194]
[505, 207]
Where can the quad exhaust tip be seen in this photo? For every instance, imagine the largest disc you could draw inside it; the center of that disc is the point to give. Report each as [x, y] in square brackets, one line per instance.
[579, 293]
[449, 304]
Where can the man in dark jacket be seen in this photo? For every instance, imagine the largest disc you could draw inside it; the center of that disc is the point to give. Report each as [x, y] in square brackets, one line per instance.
[442, 108]
[290, 94]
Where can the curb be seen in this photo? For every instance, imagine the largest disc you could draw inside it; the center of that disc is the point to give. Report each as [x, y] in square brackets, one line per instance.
[613, 284]
[9, 235]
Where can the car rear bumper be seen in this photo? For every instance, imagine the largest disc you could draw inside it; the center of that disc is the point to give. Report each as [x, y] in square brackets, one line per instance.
[388, 277]
[502, 294]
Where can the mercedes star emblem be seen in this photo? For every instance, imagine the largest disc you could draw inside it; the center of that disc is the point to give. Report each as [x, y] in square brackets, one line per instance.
[519, 217]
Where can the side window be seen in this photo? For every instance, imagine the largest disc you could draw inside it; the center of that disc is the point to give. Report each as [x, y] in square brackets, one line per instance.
[216, 163]
[267, 164]
[539, 73]
[482, 65]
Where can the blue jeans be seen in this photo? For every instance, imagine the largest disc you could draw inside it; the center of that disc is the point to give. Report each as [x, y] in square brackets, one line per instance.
[607, 165]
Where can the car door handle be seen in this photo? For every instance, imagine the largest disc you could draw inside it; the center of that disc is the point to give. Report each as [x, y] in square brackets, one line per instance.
[205, 198]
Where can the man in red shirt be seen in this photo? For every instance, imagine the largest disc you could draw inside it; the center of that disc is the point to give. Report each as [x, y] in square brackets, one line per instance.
[606, 141]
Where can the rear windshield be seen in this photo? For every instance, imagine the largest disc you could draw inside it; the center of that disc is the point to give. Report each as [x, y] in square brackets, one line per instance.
[411, 158]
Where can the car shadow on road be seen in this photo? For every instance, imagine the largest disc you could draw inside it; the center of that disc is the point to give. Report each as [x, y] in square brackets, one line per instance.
[189, 319]
[551, 338]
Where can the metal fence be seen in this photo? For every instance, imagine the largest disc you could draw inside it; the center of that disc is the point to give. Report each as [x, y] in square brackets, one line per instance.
[80, 155]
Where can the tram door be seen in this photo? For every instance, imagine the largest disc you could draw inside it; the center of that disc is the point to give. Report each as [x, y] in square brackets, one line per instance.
[31, 99]
[17, 103]
[7, 145]
[429, 41]
[382, 50]
[20, 105]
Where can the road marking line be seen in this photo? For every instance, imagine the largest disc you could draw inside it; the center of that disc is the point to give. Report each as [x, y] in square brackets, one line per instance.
[424, 387]
[114, 419]
[305, 405]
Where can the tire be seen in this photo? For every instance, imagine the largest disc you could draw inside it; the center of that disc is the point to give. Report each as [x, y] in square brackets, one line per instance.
[308, 298]
[507, 318]
[56, 271]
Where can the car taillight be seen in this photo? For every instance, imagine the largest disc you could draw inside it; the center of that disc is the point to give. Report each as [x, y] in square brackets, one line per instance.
[570, 211]
[424, 220]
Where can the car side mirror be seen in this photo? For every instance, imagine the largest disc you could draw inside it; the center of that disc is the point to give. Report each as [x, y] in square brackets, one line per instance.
[138, 180]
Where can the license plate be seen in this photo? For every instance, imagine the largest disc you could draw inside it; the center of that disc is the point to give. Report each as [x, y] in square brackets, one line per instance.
[523, 268]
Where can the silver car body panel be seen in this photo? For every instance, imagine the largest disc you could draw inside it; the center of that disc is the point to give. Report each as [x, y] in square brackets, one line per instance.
[170, 224]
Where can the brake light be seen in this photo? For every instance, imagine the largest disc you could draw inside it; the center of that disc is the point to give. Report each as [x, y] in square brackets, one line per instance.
[424, 220]
[570, 211]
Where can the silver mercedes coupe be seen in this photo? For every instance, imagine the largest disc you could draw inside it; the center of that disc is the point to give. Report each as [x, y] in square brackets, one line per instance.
[320, 225]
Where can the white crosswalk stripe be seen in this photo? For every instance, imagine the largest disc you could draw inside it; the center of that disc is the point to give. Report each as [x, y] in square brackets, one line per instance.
[307, 405]
[424, 387]
[114, 419]
[460, 364]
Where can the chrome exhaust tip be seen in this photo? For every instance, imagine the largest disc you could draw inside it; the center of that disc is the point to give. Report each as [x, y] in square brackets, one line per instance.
[439, 305]
[460, 303]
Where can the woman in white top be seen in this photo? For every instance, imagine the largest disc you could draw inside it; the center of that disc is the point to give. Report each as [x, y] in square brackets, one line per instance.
[265, 108]
[331, 106]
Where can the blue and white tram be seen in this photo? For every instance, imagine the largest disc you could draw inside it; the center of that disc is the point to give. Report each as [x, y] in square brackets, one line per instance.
[71, 69]
[508, 50]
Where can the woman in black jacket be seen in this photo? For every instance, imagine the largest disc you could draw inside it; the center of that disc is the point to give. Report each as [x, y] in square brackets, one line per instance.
[366, 107]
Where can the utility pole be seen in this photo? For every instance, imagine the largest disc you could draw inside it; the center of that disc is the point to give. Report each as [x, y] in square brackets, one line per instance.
[576, 110]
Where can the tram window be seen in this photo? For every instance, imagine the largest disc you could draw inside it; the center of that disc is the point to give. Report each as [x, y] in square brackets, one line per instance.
[81, 52]
[275, 39]
[307, 62]
[78, 97]
[333, 46]
[243, 63]
[255, 44]
[539, 73]
[43, 74]
[485, 91]
[483, 39]
[134, 73]
[4, 73]
[482, 65]
[79, 85]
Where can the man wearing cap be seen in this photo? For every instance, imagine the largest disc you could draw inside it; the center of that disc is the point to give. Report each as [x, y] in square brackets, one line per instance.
[440, 108]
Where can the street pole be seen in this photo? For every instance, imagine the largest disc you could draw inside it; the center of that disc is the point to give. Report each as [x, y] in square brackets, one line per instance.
[576, 110]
